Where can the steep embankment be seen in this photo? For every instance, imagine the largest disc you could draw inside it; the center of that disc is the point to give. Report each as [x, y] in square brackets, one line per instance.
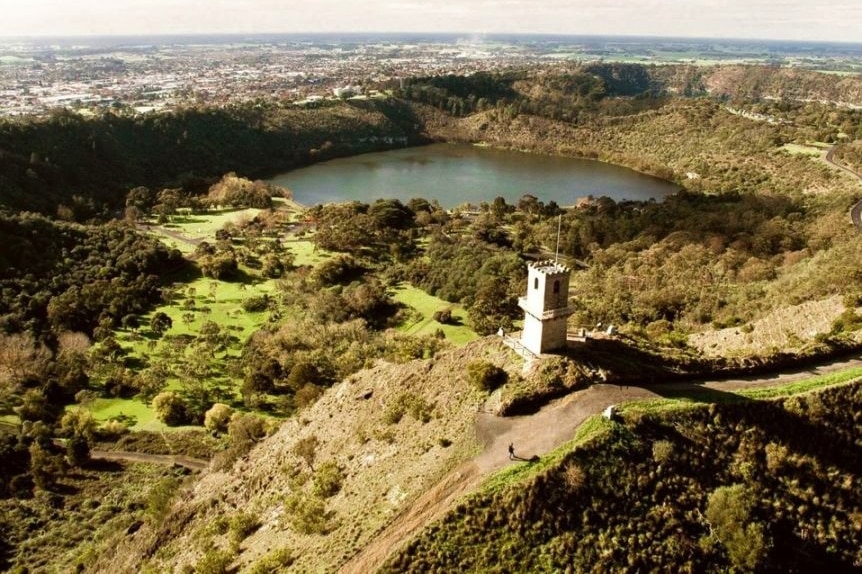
[345, 467]
[395, 474]
[766, 484]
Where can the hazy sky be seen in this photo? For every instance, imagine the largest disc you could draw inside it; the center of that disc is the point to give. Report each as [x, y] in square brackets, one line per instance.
[838, 20]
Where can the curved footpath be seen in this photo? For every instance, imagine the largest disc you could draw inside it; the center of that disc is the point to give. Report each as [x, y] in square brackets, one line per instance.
[856, 210]
[538, 434]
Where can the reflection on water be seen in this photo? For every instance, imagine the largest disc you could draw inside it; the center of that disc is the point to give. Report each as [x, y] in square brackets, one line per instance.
[459, 173]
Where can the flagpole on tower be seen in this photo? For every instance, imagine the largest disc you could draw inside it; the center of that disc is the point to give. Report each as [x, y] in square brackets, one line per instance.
[559, 225]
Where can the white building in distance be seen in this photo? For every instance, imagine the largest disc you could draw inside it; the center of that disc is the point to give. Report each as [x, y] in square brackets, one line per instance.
[546, 307]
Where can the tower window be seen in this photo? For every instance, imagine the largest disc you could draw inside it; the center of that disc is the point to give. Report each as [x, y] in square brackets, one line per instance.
[556, 286]
[536, 283]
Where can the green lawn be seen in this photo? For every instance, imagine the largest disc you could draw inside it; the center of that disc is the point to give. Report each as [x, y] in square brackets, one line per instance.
[144, 417]
[203, 226]
[426, 305]
[799, 149]
[304, 252]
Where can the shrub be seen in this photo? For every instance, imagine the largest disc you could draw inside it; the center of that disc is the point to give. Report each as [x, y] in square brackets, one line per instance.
[275, 561]
[307, 514]
[159, 498]
[328, 480]
[306, 449]
[255, 304]
[405, 403]
[242, 525]
[214, 562]
[443, 316]
[729, 514]
[485, 375]
[662, 450]
[170, 408]
[217, 417]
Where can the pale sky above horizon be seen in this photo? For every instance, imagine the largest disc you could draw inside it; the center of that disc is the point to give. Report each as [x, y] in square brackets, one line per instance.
[764, 19]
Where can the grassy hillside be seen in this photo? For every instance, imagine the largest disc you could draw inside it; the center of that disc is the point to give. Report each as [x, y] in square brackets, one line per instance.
[751, 485]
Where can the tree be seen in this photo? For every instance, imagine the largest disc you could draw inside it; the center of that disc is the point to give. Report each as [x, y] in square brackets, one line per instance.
[160, 322]
[170, 408]
[306, 449]
[729, 514]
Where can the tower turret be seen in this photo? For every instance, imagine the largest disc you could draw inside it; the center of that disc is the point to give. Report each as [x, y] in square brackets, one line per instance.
[546, 307]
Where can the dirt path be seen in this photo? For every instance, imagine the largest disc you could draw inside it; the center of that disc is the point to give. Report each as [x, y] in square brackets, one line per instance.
[190, 463]
[537, 434]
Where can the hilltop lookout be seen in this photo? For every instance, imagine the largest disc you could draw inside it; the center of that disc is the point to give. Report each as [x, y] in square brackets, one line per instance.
[546, 307]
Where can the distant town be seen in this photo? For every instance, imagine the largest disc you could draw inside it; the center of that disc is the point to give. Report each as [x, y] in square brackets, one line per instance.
[139, 75]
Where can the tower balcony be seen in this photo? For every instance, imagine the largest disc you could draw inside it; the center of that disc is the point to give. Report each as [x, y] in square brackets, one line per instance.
[547, 314]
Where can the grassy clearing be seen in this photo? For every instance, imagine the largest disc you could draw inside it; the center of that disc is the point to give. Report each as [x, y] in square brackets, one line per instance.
[426, 305]
[799, 149]
[705, 395]
[126, 410]
[197, 227]
[216, 301]
[305, 252]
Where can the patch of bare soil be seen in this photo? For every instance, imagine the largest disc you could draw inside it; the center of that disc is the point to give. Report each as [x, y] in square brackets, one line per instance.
[787, 329]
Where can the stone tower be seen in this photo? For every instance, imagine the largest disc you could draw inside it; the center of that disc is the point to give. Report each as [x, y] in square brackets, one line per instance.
[546, 307]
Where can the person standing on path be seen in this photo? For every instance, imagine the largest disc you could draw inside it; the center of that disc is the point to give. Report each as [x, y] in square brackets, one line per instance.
[511, 451]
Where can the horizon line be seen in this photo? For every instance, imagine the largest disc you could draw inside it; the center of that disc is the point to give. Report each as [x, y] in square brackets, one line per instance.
[73, 35]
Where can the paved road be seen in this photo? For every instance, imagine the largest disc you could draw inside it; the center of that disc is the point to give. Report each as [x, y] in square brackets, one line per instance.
[856, 210]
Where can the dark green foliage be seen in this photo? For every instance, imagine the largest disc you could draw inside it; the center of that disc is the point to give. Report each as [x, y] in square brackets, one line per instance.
[339, 270]
[485, 277]
[256, 304]
[62, 276]
[160, 322]
[749, 485]
[486, 376]
[443, 316]
[382, 230]
[83, 164]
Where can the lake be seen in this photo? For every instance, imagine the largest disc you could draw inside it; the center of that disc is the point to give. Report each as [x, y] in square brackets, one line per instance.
[455, 174]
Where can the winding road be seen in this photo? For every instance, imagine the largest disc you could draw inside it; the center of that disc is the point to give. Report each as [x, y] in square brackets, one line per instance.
[538, 434]
[856, 210]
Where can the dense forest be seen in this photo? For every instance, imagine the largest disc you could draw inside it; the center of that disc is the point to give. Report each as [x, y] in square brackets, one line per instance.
[80, 168]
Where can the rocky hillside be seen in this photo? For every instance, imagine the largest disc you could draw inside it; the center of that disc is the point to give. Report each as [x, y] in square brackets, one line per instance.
[342, 468]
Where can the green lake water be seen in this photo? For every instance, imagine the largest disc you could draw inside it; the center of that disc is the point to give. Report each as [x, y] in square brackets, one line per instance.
[455, 174]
